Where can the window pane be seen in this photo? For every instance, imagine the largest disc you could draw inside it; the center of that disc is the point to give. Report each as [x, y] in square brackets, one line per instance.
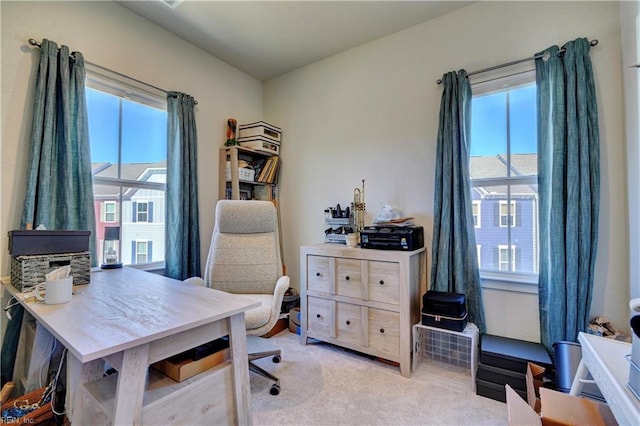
[144, 133]
[489, 135]
[524, 129]
[128, 144]
[103, 116]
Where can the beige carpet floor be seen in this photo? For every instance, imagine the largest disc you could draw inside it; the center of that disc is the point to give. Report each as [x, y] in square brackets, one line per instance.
[322, 384]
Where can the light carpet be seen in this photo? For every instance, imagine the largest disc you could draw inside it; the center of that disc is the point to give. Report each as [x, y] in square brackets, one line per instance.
[323, 384]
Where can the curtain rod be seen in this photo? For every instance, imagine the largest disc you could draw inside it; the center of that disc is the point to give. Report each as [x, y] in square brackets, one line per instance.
[592, 43]
[35, 42]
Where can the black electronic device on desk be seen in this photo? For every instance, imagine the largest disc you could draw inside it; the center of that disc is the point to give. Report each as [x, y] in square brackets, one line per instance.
[405, 238]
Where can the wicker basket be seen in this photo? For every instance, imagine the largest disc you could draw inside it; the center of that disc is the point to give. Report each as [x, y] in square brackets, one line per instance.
[30, 270]
[39, 416]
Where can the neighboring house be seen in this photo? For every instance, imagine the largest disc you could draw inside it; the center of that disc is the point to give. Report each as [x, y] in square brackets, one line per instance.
[491, 215]
[141, 218]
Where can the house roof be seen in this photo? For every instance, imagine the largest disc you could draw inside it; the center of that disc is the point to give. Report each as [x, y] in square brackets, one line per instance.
[495, 166]
[129, 171]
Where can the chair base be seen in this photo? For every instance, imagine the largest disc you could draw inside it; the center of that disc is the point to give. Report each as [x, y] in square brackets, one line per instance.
[275, 388]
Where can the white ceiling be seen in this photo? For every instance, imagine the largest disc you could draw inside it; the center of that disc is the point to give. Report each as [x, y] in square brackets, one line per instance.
[268, 38]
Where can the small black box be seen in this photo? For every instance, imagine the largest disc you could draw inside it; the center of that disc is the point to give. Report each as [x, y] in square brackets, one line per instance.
[443, 303]
[512, 354]
[29, 242]
[444, 310]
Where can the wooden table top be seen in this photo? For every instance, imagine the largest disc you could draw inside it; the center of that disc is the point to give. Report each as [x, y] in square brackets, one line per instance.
[124, 308]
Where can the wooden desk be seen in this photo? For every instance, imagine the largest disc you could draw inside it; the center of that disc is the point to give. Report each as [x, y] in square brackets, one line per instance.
[131, 319]
[605, 360]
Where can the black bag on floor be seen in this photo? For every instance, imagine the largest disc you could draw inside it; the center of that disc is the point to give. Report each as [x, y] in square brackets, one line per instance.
[444, 310]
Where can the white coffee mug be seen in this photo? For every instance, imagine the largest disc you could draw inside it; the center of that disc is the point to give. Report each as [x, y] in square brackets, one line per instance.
[351, 240]
[55, 291]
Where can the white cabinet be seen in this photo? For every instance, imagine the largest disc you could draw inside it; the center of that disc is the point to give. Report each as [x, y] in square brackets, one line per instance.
[362, 299]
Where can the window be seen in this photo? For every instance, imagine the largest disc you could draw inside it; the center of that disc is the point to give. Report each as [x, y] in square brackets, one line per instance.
[477, 221]
[109, 211]
[506, 258]
[507, 216]
[127, 131]
[503, 169]
[142, 211]
[141, 252]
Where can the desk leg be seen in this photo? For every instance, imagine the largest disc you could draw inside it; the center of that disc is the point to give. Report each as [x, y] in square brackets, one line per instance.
[77, 375]
[132, 378]
[239, 358]
[581, 374]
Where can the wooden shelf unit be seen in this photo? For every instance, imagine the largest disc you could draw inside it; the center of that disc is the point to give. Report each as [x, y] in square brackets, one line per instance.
[234, 188]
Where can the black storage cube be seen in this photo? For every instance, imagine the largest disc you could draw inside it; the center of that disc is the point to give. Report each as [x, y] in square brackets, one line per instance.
[448, 323]
[512, 354]
[446, 304]
[500, 376]
[495, 391]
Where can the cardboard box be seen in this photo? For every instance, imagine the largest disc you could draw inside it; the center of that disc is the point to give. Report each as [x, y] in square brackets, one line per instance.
[551, 408]
[181, 367]
[282, 324]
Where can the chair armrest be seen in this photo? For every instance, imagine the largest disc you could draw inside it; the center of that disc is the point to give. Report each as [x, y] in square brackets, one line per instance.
[195, 281]
[278, 294]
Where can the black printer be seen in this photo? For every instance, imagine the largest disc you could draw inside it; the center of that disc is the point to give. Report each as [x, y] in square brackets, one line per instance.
[387, 237]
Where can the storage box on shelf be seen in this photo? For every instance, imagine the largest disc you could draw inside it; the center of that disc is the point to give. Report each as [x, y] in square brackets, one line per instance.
[260, 129]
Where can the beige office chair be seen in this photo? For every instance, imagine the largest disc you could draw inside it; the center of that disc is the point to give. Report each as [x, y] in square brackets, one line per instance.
[245, 259]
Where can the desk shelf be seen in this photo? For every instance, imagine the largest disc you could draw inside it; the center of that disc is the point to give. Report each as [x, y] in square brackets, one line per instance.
[203, 399]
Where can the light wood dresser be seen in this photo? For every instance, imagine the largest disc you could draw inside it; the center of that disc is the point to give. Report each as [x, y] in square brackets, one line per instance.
[362, 299]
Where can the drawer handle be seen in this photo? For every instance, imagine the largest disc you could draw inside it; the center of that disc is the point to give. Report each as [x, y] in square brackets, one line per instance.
[382, 330]
[348, 322]
[381, 282]
[318, 274]
[318, 316]
[347, 278]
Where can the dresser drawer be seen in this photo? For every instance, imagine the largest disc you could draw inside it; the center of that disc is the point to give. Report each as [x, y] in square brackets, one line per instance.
[349, 323]
[384, 282]
[384, 331]
[349, 277]
[320, 316]
[320, 274]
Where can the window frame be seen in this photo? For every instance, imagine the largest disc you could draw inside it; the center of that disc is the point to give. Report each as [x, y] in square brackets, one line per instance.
[495, 279]
[117, 84]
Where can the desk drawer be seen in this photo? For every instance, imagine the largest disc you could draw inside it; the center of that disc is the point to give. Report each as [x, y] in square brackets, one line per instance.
[384, 282]
[349, 320]
[320, 274]
[320, 316]
[384, 331]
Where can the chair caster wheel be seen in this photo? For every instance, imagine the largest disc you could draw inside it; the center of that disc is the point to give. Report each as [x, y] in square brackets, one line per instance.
[275, 390]
[276, 359]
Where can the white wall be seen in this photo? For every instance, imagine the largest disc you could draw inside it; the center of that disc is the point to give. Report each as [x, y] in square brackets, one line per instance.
[371, 113]
[630, 25]
[114, 37]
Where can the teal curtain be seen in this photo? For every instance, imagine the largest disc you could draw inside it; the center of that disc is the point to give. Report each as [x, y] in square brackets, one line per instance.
[569, 190]
[454, 261]
[182, 247]
[59, 192]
